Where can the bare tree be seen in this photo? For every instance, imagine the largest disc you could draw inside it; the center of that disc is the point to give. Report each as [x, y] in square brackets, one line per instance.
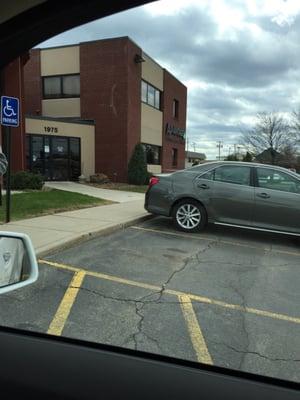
[288, 157]
[271, 132]
[295, 125]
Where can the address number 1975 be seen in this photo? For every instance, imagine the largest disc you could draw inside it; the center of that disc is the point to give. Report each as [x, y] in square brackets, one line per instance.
[51, 129]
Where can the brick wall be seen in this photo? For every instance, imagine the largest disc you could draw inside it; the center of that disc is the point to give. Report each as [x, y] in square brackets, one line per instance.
[173, 89]
[108, 93]
[134, 99]
[33, 84]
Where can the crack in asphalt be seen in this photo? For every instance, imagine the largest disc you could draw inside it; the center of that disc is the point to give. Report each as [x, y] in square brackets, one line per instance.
[141, 302]
[181, 269]
[139, 305]
[243, 318]
[123, 299]
[256, 353]
[138, 310]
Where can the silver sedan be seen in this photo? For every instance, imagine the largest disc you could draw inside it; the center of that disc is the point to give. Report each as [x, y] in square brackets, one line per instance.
[245, 195]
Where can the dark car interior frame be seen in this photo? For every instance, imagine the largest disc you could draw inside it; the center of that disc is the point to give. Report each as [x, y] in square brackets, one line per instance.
[36, 365]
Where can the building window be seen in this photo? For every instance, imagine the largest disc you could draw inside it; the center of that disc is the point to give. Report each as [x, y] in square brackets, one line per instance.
[61, 86]
[144, 92]
[152, 154]
[175, 110]
[174, 157]
[151, 95]
[157, 99]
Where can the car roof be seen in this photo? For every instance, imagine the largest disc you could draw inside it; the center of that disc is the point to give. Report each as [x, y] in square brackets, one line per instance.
[242, 163]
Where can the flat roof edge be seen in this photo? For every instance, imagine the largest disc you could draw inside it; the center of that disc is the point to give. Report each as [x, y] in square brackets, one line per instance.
[70, 120]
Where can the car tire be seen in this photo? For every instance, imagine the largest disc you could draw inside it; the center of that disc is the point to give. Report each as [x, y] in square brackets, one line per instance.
[189, 216]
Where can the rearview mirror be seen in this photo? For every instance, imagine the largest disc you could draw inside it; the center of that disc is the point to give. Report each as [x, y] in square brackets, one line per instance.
[18, 265]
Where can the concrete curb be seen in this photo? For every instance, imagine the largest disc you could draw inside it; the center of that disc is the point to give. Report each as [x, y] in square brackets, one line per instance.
[80, 238]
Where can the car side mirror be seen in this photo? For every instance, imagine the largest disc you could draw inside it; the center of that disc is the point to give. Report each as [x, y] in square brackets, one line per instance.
[18, 265]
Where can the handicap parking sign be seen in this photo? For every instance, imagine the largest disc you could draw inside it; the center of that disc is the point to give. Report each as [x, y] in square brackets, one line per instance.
[9, 111]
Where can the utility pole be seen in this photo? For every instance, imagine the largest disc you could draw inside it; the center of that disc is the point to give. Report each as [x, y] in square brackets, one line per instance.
[220, 146]
[194, 146]
[237, 148]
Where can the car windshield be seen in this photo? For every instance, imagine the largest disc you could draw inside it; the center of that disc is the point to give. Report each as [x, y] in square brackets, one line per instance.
[154, 161]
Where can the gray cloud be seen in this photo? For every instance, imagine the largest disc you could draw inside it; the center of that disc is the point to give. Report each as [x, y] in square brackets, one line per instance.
[243, 75]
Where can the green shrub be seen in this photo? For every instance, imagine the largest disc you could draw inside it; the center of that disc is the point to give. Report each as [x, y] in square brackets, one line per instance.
[137, 167]
[232, 157]
[26, 180]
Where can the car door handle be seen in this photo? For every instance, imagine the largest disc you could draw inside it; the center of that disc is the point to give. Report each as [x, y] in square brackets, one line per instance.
[203, 186]
[263, 195]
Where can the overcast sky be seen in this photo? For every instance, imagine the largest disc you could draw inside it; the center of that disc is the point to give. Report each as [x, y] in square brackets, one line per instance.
[237, 58]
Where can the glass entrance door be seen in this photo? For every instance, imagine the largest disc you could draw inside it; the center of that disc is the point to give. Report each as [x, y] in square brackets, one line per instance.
[74, 158]
[60, 158]
[55, 157]
[37, 155]
[48, 159]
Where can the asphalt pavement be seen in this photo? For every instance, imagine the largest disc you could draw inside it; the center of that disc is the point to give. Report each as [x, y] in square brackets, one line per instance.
[224, 297]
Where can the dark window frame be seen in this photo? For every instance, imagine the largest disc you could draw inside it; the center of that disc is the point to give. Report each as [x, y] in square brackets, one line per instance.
[60, 95]
[174, 159]
[156, 147]
[175, 108]
[155, 91]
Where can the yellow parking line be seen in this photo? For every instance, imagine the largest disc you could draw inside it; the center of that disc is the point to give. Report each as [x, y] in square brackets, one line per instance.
[61, 266]
[57, 325]
[102, 276]
[250, 310]
[194, 329]
[172, 292]
[233, 243]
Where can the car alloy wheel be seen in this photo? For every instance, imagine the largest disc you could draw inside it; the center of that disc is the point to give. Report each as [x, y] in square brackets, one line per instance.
[188, 216]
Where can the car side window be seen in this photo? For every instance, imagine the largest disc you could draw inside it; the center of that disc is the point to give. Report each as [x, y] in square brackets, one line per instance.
[269, 178]
[238, 175]
[208, 175]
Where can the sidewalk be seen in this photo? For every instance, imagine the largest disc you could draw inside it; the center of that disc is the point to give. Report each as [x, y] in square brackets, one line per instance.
[56, 231]
[106, 194]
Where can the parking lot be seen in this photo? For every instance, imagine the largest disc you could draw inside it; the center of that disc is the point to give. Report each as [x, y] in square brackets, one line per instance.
[225, 297]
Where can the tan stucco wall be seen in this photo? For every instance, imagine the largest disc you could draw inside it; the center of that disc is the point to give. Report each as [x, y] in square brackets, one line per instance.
[151, 125]
[61, 107]
[60, 61]
[85, 132]
[152, 72]
[154, 169]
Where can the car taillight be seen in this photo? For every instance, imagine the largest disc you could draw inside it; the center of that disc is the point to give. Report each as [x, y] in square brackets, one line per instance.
[153, 181]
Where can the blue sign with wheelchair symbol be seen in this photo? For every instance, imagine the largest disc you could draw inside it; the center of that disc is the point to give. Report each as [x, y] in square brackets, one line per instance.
[9, 111]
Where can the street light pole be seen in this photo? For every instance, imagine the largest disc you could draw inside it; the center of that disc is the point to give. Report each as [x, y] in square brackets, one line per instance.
[8, 172]
[219, 145]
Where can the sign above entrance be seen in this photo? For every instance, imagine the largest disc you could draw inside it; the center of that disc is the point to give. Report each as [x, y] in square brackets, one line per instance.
[173, 132]
[51, 129]
[9, 111]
